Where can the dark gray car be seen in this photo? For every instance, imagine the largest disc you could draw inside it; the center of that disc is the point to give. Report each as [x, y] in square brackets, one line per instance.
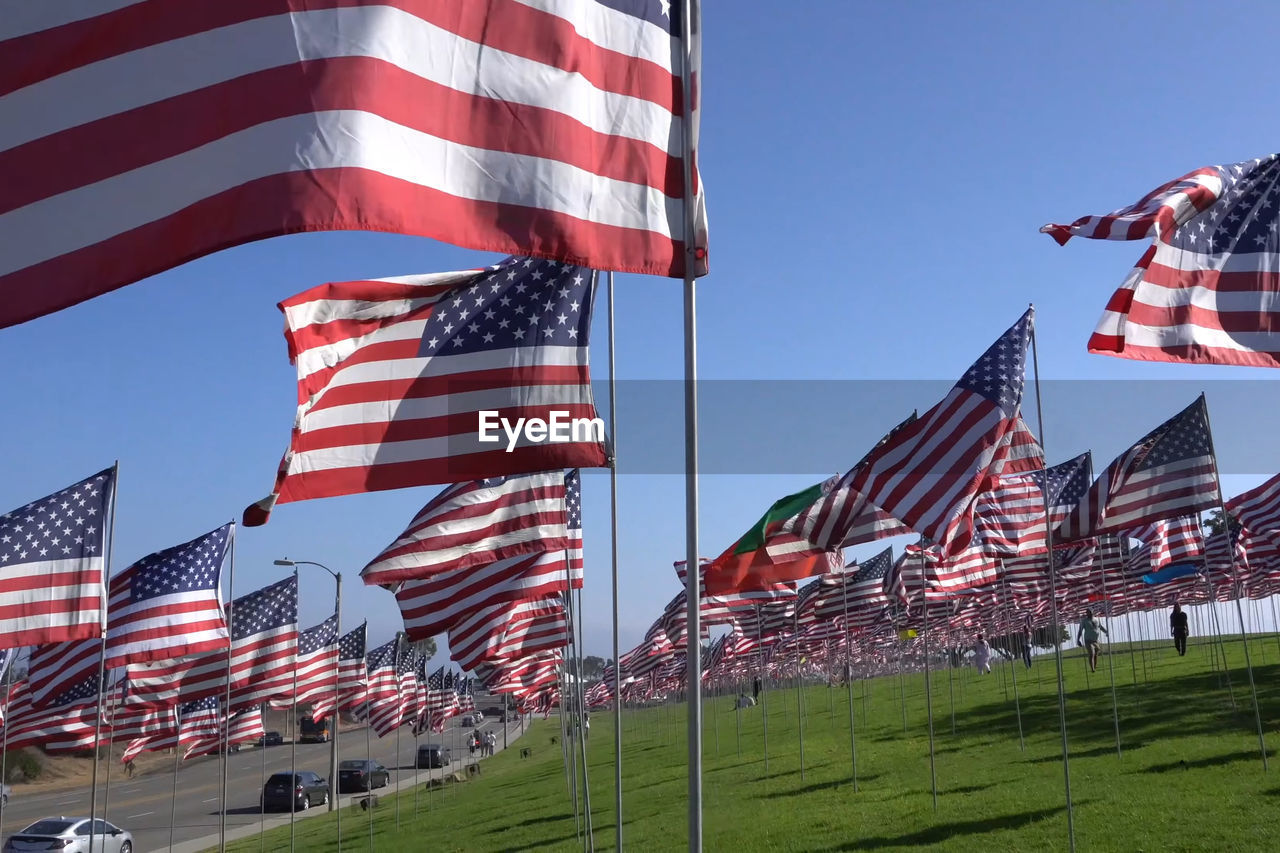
[362, 774]
[433, 755]
[294, 791]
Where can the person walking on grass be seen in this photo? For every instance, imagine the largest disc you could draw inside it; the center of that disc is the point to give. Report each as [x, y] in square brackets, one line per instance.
[982, 656]
[1027, 637]
[1178, 625]
[1089, 628]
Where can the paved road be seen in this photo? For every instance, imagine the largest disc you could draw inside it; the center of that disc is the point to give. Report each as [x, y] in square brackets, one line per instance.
[142, 804]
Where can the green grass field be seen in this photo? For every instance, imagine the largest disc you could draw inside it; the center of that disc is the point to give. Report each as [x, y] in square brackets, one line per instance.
[1190, 777]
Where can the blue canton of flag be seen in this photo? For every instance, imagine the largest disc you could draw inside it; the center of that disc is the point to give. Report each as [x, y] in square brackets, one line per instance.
[351, 646]
[183, 568]
[573, 500]
[875, 568]
[51, 565]
[999, 374]
[314, 639]
[520, 302]
[268, 609]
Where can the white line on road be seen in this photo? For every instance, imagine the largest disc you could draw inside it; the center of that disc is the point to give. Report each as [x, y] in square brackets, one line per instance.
[210, 800]
[141, 814]
[67, 802]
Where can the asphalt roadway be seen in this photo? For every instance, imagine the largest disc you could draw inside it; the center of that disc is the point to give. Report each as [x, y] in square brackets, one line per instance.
[142, 805]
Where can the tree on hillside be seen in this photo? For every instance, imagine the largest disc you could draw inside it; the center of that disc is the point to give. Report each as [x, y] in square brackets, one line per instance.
[592, 667]
[1213, 524]
[427, 647]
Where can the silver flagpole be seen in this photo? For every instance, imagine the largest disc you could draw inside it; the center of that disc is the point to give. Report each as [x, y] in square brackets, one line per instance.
[848, 679]
[613, 538]
[1231, 556]
[688, 26]
[337, 717]
[226, 704]
[177, 758]
[262, 782]
[928, 692]
[399, 726]
[293, 726]
[1111, 666]
[4, 728]
[102, 652]
[1013, 668]
[1053, 608]
[764, 689]
[579, 700]
[795, 623]
[368, 749]
[111, 737]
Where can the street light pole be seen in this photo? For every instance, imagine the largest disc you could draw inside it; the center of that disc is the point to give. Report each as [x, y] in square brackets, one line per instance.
[333, 740]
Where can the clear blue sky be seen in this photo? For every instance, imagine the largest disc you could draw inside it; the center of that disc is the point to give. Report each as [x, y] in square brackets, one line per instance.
[876, 176]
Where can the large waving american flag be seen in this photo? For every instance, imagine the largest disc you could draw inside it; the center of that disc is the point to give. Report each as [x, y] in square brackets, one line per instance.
[140, 135]
[393, 376]
[443, 601]
[316, 669]
[1205, 292]
[1170, 472]
[474, 524]
[167, 605]
[68, 724]
[52, 564]
[928, 474]
[1258, 510]
[353, 677]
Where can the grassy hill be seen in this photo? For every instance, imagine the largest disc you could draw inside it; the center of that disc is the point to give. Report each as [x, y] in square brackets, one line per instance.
[1190, 776]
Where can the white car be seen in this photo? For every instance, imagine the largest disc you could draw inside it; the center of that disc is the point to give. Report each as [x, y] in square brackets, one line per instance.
[69, 835]
[475, 718]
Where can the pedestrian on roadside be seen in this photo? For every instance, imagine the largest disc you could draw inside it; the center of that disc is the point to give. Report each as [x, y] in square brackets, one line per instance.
[491, 741]
[756, 684]
[1027, 636]
[1178, 625]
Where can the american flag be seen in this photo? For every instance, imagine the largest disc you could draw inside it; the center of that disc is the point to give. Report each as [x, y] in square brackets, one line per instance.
[54, 668]
[385, 708]
[866, 588]
[1204, 292]
[1170, 472]
[240, 727]
[551, 129]
[524, 678]
[143, 729]
[466, 699]
[167, 605]
[264, 630]
[476, 523]
[353, 678]
[928, 474]
[198, 719]
[509, 631]
[317, 667]
[52, 563]
[1258, 510]
[264, 643]
[442, 602]
[393, 377]
[1171, 540]
[68, 724]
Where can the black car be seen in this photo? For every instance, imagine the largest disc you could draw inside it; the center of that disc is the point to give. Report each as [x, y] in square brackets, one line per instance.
[294, 791]
[270, 739]
[361, 774]
[433, 755]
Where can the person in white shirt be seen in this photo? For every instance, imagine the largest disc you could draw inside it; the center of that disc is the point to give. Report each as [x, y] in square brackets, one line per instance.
[982, 656]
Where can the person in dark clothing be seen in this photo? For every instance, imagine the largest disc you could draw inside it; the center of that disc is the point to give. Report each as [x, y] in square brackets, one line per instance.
[1178, 625]
[1026, 643]
[756, 685]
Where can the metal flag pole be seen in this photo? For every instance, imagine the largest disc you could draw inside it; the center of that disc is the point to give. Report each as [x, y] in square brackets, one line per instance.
[580, 700]
[111, 737]
[226, 703]
[613, 539]
[848, 679]
[1231, 556]
[1111, 664]
[399, 721]
[764, 689]
[293, 735]
[9, 655]
[928, 692]
[102, 651]
[177, 763]
[1053, 607]
[337, 669]
[1013, 668]
[795, 627]
[689, 9]
[368, 749]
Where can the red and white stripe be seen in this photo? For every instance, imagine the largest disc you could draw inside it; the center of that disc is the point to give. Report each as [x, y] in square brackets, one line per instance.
[134, 137]
[509, 632]
[474, 524]
[61, 729]
[1258, 510]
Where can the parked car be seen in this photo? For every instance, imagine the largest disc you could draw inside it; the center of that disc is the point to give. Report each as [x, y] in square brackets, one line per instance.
[69, 835]
[270, 739]
[294, 791]
[433, 755]
[362, 774]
